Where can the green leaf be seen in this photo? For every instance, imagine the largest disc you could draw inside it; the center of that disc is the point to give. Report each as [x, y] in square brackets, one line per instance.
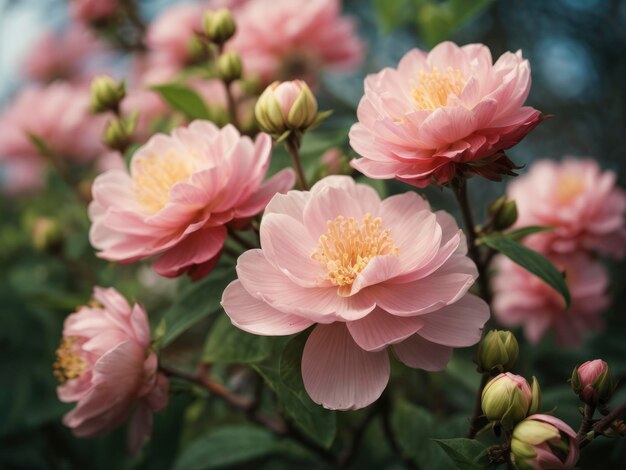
[185, 100]
[194, 303]
[532, 261]
[226, 446]
[525, 231]
[412, 426]
[285, 378]
[228, 344]
[438, 20]
[392, 13]
[468, 454]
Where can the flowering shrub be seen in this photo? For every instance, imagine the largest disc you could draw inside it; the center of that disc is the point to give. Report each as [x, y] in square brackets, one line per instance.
[282, 288]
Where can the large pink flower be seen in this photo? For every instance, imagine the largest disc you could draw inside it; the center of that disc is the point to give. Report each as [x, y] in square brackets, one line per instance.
[523, 299]
[181, 193]
[89, 11]
[105, 364]
[440, 113]
[61, 55]
[371, 274]
[579, 200]
[295, 39]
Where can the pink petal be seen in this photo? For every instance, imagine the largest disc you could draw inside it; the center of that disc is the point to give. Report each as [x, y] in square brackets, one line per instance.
[279, 183]
[419, 353]
[256, 316]
[457, 325]
[140, 428]
[338, 374]
[379, 329]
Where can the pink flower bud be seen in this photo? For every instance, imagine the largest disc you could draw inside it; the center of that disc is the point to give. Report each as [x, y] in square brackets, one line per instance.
[544, 442]
[592, 382]
[508, 399]
[106, 366]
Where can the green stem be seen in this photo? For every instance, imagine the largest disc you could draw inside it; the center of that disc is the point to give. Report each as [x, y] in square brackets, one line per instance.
[293, 148]
[478, 409]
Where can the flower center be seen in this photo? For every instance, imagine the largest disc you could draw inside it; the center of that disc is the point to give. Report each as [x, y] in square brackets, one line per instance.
[436, 86]
[156, 174]
[348, 246]
[69, 365]
[568, 188]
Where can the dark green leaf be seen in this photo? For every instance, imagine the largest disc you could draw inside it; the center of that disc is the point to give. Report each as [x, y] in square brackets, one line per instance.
[226, 446]
[228, 344]
[194, 303]
[468, 454]
[185, 100]
[534, 262]
[438, 20]
[412, 426]
[525, 231]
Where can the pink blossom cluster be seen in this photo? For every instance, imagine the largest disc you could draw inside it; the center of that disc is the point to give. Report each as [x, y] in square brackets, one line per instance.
[585, 211]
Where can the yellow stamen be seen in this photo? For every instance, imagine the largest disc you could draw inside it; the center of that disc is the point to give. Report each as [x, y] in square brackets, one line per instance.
[68, 365]
[568, 188]
[435, 87]
[348, 246]
[156, 174]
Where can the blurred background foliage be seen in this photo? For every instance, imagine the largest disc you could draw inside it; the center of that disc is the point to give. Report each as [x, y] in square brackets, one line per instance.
[577, 52]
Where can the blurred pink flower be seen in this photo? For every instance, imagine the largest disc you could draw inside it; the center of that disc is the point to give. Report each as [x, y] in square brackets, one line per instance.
[181, 193]
[440, 113]
[61, 55]
[90, 11]
[287, 39]
[576, 197]
[105, 364]
[59, 115]
[523, 299]
[544, 442]
[370, 274]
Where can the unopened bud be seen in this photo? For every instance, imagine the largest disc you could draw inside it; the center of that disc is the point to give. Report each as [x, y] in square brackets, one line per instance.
[286, 106]
[592, 382]
[503, 213]
[507, 399]
[118, 132]
[106, 94]
[497, 351]
[229, 67]
[47, 235]
[219, 26]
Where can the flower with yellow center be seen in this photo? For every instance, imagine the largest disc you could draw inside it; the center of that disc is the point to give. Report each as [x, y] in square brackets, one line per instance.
[156, 174]
[435, 87]
[348, 246]
[68, 365]
[568, 188]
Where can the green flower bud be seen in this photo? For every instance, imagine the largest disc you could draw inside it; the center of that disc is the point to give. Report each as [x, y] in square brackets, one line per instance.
[503, 213]
[219, 26]
[229, 67]
[47, 235]
[497, 351]
[592, 382]
[118, 132]
[286, 106]
[106, 94]
[506, 399]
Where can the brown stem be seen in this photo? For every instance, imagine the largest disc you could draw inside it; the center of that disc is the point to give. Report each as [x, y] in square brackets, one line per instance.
[478, 409]
[587, 422]
[293, 148]
[600, 426]
[232, 105]
[248, 407]
[459, 187]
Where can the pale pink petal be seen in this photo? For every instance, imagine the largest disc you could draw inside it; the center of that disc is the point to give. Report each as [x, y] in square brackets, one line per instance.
[379, 329]
[419, 353]
[338, 374]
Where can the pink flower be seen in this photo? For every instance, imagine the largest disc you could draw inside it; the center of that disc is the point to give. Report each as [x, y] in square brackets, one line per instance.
[576, 197]
[523, 299]
[449, 111]
[89, 11]
[181, 193]
[370, 274]
[592, 382]
[544, 442]
[105, 364]
[62, 120]
[61, 55]
[286, 39]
